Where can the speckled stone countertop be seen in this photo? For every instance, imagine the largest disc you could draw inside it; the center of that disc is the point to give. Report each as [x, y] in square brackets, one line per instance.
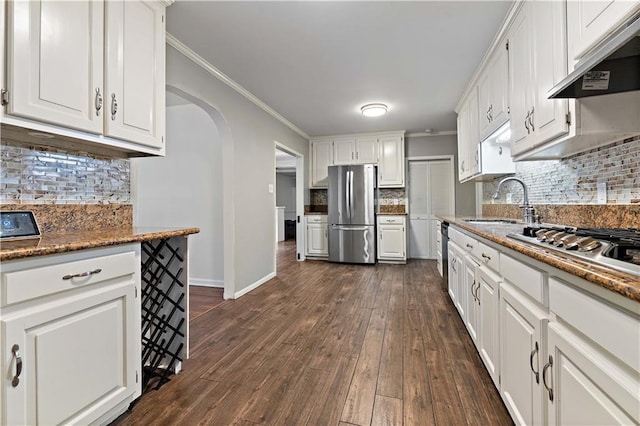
[52, 243]
[391, 214]
[619, 282]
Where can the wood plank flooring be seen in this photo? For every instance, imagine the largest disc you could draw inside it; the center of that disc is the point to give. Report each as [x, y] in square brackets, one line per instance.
[203, 299]
[330, 344]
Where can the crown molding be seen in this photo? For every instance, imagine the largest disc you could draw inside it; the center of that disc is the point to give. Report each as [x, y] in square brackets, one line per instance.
[423, 134]
[200, 61]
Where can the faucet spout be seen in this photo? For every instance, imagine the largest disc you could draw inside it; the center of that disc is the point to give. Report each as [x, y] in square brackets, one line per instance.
[528, 210]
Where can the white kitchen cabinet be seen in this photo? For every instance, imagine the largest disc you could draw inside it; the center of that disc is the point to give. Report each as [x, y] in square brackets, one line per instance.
[436, 231]
[344, 151]
[538, 60]
[470, 281]
[489, 328]
[317, 236]
[588, 22]
[456, 277]
[522, 346]
[392, 239]
[468, 138]
[366, 150]
[90, 71]
[391, 161]
[321, 159]
[135, 71]
[493, 105]
[71, 346]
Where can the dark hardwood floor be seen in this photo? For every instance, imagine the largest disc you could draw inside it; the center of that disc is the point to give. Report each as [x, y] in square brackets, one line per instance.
[330, 344]
[203, 299]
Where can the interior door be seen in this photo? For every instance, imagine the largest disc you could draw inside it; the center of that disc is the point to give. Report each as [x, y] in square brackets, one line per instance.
[431, 191]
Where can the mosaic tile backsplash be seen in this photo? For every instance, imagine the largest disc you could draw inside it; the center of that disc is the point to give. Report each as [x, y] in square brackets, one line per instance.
[386, 196]
[42, 175]
[573, 180]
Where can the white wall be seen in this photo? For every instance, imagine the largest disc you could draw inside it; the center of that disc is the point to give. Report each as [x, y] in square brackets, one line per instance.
[248, 169]
[185, 189]
[286, 195]
[445, 145]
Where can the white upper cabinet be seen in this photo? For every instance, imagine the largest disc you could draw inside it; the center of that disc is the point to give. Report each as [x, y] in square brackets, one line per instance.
[468, 138]
[55, 62]
[92, 71]
[493, 109]
[135, 76]
[321, 159]
[344, 151]
[366, 150]
[391, 161]
[589, 21]
[537, 61]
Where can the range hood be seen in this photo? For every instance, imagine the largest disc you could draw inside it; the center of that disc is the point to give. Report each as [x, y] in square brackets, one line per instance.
[613, 67]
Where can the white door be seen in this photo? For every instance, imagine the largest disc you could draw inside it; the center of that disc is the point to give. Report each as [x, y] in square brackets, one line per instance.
[431, 184]
[344, 151]
[317, 239]
[391, 242]
[321, 159]
[55, 57]
[391, 161]
[488, 335]
[367, 150]
[134, 92]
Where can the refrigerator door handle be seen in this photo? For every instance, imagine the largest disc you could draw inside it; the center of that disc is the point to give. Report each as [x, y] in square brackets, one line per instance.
[346, 194]
[349, 228]
[350, 194]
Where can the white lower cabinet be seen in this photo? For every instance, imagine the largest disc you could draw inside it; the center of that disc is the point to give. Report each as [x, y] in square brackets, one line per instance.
[71, 345]
[522, 333]
[472, 320]
[316, 236]
[392, 239]
[489, 328]
[454, 265]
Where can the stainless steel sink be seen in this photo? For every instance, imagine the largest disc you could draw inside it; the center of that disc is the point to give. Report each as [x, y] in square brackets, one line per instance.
[492, 221]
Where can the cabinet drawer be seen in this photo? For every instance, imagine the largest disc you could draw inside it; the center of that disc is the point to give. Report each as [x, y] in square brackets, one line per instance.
[30, 283]
[456, 236]
[391, 220]
[613, 329]
[527, 279]
[317, 218]
[487, 255]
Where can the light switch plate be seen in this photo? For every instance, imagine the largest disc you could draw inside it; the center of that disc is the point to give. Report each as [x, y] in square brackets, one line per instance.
[602, 192]
[270, 188]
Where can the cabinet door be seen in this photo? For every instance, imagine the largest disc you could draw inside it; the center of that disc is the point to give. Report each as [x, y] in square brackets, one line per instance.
[367, 150]
[391, 161]
[321, 159]
[590, 21]
[452, 273]
[470, 280]
[463, 142]
[498, 87]
[317, 239]
[521, 349]
[473, 136]
[135, 72]
[55, 62]
[520, 82]
[489, 328]
[484, 104]
[344, 151]
[588, 387]
[548, 118]
[80, 357]
[391, 242]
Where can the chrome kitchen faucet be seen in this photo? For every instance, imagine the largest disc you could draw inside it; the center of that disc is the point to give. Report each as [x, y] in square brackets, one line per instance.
[529, 213]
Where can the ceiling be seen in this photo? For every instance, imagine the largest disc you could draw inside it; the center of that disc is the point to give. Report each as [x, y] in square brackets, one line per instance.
[316, 63]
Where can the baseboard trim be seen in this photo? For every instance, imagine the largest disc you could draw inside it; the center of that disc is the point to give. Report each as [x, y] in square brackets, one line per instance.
[254, 285]
[200, 282]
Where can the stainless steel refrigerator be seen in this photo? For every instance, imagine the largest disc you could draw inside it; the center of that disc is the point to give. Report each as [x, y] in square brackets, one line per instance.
[352, 206]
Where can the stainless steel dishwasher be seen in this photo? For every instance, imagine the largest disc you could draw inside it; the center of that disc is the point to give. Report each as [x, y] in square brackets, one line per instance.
[444, 230]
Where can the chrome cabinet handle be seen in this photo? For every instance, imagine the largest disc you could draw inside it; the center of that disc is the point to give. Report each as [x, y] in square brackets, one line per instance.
[469, 246]
[526, 122]
[114, 106]
[544, 377]
[98, 101]
[536, 373]
[531, 120]
[491, 113]
[486, 257]
[16, 353]
[476, 157]
[82, 274]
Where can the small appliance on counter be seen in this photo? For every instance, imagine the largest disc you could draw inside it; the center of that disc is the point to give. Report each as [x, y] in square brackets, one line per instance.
[18, 225]
[351, 217]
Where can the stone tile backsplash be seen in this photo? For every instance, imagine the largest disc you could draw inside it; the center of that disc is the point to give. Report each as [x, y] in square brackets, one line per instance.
[386, 196]
[573, 180]
[43, 175]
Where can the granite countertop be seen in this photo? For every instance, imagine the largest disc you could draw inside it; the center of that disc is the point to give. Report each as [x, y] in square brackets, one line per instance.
[52, 243]
[391, 214]
[619, 282]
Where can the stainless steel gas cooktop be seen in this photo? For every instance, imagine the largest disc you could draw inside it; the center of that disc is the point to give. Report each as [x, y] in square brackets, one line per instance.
[616, 248]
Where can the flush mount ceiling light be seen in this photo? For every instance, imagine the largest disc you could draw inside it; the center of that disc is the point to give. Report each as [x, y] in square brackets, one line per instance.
[374, 110]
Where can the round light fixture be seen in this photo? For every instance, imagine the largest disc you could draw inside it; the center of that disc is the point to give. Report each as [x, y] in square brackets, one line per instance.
[374, 110]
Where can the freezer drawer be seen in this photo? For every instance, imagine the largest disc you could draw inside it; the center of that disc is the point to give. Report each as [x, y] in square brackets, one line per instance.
[352, 244]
